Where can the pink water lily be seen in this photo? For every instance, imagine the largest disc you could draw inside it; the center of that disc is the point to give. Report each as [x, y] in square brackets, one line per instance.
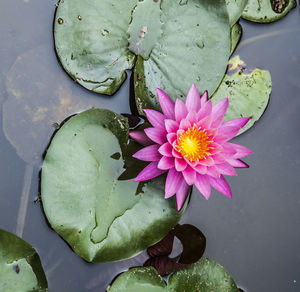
[190, 141]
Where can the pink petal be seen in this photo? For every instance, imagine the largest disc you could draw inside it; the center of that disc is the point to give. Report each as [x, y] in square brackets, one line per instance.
[173, 181]
[219, 111]
[176, 154]
[166, 163]
[229, 132]
[192, 117]
[149, 172]
[193, 99]
[241, 151]
[205, 110]
[232, 127]
[203, 185]
[140, 137]
[166, 149]
[180, 164]
[237, 163]
[218, 158]
[166, 103]
[189, 175]
[220, 139]
[171, 126]
[213, 171]
[228, 150]
[240, 122]
[180, 110]
[203, 98]
[226, 168]
[216, 148]
[185, 124]
[155, 118]
[171, 137]
[157, 135]
[202, 169]
[181, 194]
[149, 153]
[207, 162]
[205, 122]
[221, 185]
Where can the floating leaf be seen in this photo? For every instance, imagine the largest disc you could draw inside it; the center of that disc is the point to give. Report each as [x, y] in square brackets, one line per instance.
[92, 43]
[267, 10]
[176, 42]
[20, 266]
[194, 47]
[101, 217]
[248, 90]
[236, 34]
[206, 276]
[235, 9]
[137, 280]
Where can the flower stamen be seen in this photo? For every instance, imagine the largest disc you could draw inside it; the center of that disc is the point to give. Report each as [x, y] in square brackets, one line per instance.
[194, 144]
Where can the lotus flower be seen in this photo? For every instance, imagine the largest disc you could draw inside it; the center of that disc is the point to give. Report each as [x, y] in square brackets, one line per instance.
[190, 141]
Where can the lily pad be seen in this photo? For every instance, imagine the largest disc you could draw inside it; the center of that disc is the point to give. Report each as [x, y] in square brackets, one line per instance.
[175, 41]
[267, 10]
[194, 46]
[206, 275]
[20, 266]
[248, 90]
[236, 34]
[101, 217]
[235, 9]
[92, 43]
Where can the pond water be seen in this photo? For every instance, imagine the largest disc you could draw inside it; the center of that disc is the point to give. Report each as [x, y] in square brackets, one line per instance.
[255, 235]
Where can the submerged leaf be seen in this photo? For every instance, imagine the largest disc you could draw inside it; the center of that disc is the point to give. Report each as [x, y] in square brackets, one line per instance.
[101, 217]
[193, 242]
[248, 91]
[267, 10]
[20, 266]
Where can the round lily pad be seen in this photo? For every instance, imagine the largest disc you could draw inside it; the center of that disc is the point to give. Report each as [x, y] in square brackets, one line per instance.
[248, 91]
[101, 217]
[206, 276]
[92, 43]
[235, 9]
[20, 266]
[267, 10]
[194, 46]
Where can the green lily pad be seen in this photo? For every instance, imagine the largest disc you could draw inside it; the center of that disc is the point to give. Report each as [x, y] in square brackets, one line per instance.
[194, 47]
[248, 90]
[20, 266]
[267, 10]
[101, 217]
[92, 43]
[177, 42]
[235, 9]
[206, 276]
[236, 34]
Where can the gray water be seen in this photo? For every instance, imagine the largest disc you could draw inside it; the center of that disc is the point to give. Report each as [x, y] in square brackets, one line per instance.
[255, 235]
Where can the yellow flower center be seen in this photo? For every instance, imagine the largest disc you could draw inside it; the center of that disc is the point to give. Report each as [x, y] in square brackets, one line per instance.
[194, 144]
